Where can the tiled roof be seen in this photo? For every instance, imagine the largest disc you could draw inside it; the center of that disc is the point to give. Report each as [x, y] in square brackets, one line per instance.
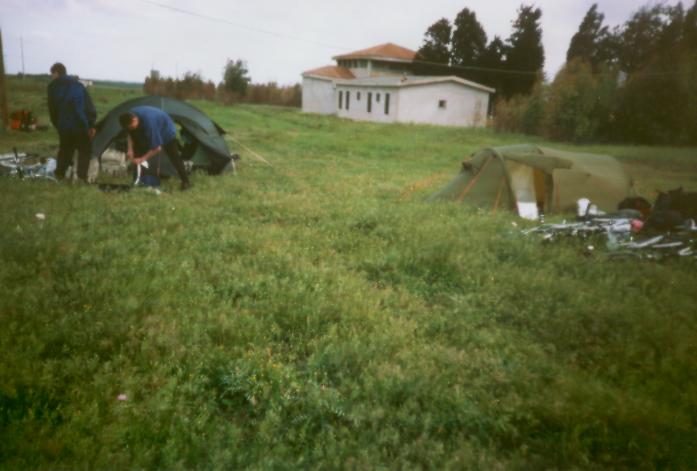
[331, 71]
[382, 51]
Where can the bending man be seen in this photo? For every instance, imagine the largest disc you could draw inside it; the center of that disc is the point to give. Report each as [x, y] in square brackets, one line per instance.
[73, 115]
[151, 130]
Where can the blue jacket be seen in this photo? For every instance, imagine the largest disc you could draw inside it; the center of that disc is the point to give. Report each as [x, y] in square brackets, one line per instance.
[70, 106]
[155, 128]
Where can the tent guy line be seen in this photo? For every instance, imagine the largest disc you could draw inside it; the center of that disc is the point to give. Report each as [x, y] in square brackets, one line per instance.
[254, 154]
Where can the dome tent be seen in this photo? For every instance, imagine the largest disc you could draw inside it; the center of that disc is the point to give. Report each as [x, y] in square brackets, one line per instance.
[529, 179]
[206, 147]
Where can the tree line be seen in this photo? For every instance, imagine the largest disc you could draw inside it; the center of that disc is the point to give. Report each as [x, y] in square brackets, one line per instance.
[633, 82]
[511, 66]
[236, 87]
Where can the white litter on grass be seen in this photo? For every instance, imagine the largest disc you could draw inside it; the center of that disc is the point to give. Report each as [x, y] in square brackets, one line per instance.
[40, 216]
[121, 397]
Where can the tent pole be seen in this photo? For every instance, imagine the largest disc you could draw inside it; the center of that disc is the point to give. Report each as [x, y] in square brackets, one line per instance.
[498, 195]
[474, 180]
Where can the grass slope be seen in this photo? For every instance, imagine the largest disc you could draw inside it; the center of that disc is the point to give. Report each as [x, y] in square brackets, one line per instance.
[318, 314]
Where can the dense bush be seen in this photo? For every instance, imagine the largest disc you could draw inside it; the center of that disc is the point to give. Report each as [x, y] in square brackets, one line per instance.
[579, 104]
[659, 104]
[264, 94]
[191, 87]
[522, 113]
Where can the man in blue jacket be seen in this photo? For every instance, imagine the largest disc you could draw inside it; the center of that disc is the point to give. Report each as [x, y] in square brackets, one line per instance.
[73, 115]
[151, 130]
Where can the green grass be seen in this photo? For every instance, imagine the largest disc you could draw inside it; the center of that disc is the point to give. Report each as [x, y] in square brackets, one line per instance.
[319, 314]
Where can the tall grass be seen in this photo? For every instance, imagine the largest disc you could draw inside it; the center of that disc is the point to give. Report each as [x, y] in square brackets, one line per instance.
[318, 314]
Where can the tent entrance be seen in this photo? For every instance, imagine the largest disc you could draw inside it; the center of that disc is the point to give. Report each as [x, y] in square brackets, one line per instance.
[531, 188]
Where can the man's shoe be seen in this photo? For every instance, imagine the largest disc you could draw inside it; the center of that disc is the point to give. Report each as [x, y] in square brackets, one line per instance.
[185, 186]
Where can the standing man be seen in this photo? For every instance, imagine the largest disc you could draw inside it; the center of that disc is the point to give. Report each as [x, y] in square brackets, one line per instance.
[151, 130]
[73, 115]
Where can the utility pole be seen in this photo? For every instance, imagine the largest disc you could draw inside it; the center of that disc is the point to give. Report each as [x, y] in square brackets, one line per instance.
[21, 46]
[3, 90]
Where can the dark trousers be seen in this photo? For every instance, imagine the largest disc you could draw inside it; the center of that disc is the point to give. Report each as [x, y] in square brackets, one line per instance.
[68, 144]
[176, 159]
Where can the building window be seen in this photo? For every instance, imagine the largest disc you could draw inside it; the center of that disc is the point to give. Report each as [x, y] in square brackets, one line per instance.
[348, 99]
[341, 99]
[442, 104]
[377, 98]
[387, 103]
[370, 102]
[358, 96]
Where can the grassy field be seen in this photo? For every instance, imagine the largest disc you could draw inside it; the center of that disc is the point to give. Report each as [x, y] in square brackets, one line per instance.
[317, 313]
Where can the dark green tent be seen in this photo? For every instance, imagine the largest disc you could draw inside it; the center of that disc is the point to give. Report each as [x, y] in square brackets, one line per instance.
[205, 145]
[528, 179]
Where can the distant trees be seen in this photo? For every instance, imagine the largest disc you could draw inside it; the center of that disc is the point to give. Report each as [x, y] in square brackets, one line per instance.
[592, 42]
[468, 40]
[272, 94]
[191, 86]
[234, 88]
[658, 102]
[525, 56]
[236, 77]
[634, 83]
[436, 47]
[463, 49]
[579, 103]
[492, 62]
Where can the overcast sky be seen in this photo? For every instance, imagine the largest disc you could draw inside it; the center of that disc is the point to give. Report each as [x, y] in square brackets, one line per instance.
[124, 39]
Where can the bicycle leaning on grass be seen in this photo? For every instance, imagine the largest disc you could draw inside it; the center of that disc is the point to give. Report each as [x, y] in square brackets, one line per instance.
[16, 165]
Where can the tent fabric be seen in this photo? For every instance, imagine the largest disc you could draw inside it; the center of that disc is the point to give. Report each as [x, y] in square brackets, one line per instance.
[212, 151]
[528, 179]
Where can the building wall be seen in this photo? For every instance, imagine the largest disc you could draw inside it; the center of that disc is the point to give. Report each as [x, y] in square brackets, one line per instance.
[464, 106]
[358, 108]
[389, 69]
[417, 104]
[361, 68]
[318, 96]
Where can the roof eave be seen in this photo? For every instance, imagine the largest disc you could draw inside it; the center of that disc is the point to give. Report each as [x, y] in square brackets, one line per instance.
[415, 83]
[375, 58]
[320, 77]
[351, 83]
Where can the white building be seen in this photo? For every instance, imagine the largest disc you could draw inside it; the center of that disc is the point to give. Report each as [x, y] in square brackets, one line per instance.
[377, 84]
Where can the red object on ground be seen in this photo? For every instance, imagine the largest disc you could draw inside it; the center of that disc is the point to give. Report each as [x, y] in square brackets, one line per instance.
[637, 225]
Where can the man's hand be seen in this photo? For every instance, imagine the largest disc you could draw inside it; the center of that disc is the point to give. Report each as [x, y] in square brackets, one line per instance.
[91, 132]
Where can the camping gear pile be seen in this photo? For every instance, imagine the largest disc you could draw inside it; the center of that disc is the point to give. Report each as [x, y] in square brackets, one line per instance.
[637, 230]
[113, 163]
[23, 120]
[533, 180]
